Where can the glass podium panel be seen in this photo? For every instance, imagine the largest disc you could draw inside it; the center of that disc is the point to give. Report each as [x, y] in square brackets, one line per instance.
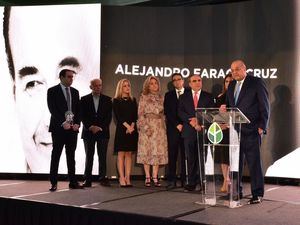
[218, 148]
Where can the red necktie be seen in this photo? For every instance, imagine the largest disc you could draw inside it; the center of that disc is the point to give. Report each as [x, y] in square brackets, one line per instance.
[196, 99]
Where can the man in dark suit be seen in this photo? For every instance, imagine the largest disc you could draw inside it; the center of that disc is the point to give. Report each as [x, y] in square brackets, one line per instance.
[96, 114]
[63, 104]
[191, 99]
[174, 129]
[250, 95]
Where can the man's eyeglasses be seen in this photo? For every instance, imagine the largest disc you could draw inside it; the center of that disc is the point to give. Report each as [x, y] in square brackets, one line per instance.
[194, 81]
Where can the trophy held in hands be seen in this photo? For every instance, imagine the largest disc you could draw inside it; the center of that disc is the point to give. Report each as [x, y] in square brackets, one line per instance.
[69, 115]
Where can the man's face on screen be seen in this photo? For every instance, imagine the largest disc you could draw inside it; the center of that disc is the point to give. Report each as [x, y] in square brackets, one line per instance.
[40, 38]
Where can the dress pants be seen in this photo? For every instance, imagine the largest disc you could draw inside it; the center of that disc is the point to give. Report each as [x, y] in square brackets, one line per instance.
[61, 139]
[191, 150]
[89, 145]
[250, 150]
[175, 144]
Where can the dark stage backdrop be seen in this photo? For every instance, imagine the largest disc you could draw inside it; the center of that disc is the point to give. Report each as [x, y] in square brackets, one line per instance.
[140, 41]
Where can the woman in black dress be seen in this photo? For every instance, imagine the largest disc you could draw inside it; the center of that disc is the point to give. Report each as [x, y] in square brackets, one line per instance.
[125, 111]
[222, 152]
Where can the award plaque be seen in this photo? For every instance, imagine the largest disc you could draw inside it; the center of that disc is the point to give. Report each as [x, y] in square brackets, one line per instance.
[69, 115]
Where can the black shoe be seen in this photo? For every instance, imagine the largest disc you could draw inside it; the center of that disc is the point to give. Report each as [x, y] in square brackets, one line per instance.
[53, 187]
[255, 200]
[75, 186]
[171, 185]
[190, 187]
[224, 197]
[182, 183]
[202, 188]
[104, 182]
[241, 195]
[87, 184]
[234, 197]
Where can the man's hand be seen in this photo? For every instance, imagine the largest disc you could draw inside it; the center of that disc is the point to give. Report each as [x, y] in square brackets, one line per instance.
[75, 127]
[66, 125]
[193, 122]
[179, 127]
[260, 131]
[198, 127]
[95, 129]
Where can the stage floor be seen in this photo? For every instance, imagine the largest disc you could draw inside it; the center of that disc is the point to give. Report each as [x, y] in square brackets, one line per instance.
[281, 204]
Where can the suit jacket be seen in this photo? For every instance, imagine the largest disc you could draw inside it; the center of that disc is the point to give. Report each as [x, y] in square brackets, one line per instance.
[171, 112]
[186, 110]
[252, 101]
[101, 118]
[57, 105]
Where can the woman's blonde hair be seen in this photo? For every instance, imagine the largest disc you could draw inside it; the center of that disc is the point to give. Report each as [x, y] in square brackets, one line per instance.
[118, 93]
[147, 83]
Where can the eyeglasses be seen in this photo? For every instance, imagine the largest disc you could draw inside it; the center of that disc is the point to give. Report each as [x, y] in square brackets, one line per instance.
[194, 81]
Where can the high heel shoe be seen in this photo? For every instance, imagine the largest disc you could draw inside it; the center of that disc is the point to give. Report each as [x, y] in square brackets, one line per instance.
[148, 182]
[122, 183]
[128, 183]
[156, 182]
[225, 186]
[224, 189]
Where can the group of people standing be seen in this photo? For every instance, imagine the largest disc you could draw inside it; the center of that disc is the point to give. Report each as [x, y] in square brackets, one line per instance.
[157, 127]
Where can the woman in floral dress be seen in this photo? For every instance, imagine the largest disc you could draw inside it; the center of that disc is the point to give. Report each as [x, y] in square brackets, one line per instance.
[152, 142]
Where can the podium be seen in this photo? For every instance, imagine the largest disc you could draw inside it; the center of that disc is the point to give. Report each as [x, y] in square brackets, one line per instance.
[220, 132]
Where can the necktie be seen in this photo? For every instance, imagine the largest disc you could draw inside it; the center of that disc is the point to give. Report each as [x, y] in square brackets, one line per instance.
[237, 91]
[196, 99]
[68, 99]
[178, 94]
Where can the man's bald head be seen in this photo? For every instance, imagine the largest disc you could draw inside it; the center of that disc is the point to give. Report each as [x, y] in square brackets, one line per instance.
[238, 70]
[96, 86]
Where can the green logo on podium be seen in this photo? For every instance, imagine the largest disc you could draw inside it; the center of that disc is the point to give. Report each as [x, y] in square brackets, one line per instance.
[215, 134]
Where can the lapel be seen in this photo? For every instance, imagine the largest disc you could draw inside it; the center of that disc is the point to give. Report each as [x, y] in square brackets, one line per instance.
[230, 91]
[62, 97]
[72, 98]
[174, 96]
[190, 100]
[100, 104]
[200, 100]
[91, 103]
